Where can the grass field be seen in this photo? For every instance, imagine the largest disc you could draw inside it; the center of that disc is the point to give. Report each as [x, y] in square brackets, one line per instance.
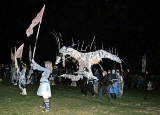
[68, 100]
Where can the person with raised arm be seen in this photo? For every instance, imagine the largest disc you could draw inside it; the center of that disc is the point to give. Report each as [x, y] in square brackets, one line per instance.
[44, 88]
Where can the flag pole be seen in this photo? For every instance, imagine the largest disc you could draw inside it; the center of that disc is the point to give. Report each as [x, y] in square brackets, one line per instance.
[21, 53]
[101, 67]
[37, 35]
[36, 40]
[30, 53]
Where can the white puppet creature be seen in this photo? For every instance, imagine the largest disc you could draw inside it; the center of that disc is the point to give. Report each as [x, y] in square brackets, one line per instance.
[22, 80]
[86, 60]
[44, 88]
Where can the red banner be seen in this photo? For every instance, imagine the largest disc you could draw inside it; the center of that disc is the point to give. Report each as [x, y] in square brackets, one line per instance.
[19, 51]
[35, 21]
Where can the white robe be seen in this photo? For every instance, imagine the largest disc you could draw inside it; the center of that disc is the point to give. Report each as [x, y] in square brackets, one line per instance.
[44, 88]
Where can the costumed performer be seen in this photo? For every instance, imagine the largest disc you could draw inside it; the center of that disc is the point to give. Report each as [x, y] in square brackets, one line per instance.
[22, 79]
[44, 88]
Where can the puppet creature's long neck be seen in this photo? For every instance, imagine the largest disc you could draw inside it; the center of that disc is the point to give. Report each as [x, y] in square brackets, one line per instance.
[99, 54]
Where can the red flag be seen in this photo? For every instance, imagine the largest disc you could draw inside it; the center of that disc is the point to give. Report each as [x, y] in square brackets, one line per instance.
[35, 21]
[19, 51]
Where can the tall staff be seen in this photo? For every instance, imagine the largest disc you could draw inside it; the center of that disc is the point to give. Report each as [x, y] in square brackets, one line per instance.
[16, 64]
[35, 21]
[101, 67]
[36, 40]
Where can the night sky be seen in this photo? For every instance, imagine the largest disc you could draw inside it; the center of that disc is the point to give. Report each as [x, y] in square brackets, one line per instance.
[122, 24]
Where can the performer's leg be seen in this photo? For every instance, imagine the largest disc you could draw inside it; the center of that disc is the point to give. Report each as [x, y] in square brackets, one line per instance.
[20, 86]
[24, 89]
[43, 105]
[92, 89]
[14, 82]
[47, 104]
[82, 87]
[108, 93]
[85, 89]
[99, 91]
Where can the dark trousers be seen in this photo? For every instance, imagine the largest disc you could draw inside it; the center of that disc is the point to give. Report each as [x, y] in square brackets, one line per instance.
[108, 92]
[91, 88]
[99, 90]
[84, 89]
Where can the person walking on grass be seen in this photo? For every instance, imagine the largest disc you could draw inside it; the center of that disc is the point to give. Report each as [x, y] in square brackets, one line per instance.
[44, 88]
[22, 79]
[107, 82]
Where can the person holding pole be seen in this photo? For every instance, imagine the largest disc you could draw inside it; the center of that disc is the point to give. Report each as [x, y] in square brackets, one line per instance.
[44, 88]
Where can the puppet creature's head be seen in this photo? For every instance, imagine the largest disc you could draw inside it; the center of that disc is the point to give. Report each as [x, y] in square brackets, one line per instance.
[62, 53]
